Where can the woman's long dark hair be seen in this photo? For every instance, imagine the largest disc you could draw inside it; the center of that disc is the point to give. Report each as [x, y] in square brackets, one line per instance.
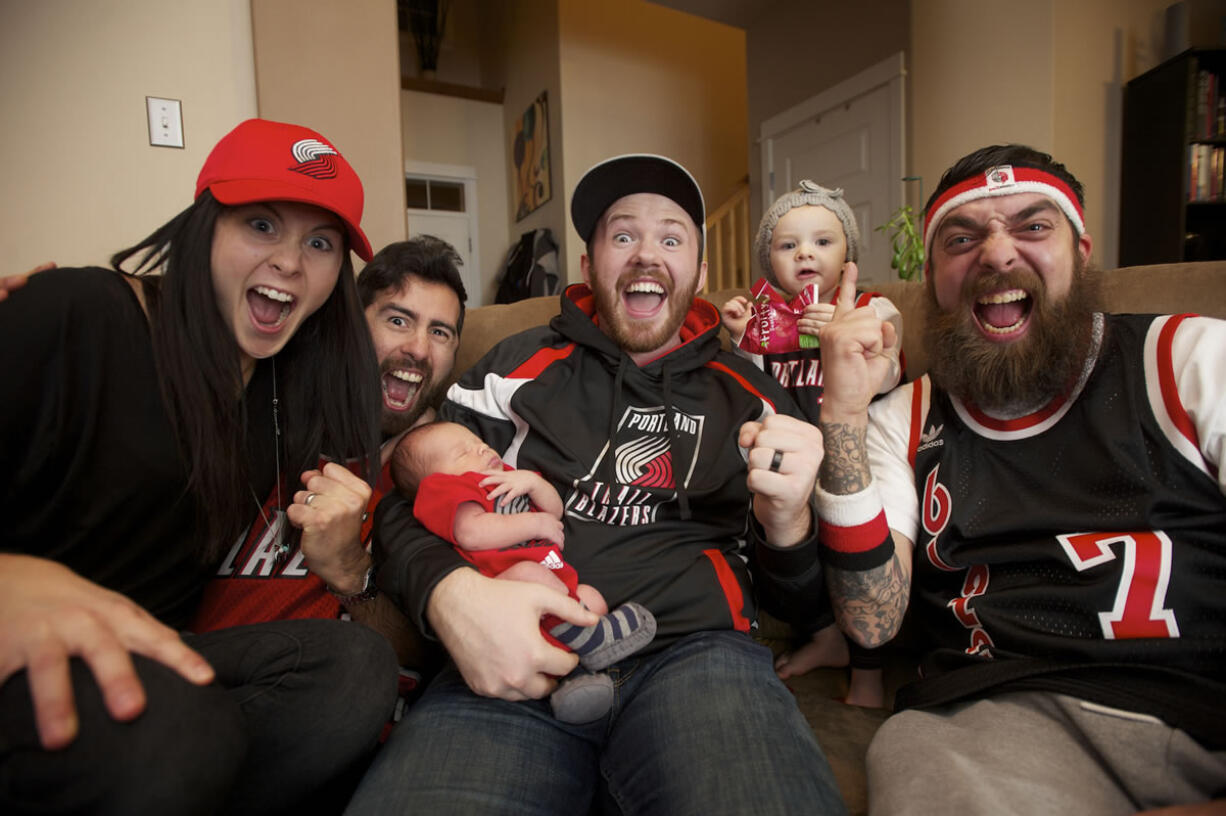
[327, 378]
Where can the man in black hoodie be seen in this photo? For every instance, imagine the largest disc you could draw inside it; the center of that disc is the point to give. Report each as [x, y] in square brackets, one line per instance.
[684, 471]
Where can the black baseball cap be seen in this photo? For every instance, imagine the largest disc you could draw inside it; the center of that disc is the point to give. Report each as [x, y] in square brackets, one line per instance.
[632, 173]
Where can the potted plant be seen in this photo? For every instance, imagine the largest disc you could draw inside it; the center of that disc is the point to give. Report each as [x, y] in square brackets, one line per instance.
[906, 242]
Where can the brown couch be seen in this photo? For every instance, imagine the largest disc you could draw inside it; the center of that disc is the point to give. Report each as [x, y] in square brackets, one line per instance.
[844, 731]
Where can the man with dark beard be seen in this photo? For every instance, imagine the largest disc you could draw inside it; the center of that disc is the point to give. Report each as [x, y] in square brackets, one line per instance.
[997, 375]
[413, 299]
[683, 471]
[1049, 498]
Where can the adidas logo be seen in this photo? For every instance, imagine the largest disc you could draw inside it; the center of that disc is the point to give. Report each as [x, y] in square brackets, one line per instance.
[929, 439]
[553, 561]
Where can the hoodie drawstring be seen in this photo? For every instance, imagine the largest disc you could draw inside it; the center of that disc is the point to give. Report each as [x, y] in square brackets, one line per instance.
[683, 498]
[618, 377]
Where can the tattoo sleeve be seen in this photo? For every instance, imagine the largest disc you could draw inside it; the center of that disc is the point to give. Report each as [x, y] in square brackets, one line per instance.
[870, 605]
[844, 468]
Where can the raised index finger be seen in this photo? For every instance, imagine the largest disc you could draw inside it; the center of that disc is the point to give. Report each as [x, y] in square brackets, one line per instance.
[846, 300]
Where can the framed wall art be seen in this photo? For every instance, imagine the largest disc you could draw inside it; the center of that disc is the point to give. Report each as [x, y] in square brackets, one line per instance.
[530, 152]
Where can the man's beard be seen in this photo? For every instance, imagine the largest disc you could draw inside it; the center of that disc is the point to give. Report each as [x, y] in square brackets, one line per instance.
[1014, 377]
[392, 422]
[620, 328]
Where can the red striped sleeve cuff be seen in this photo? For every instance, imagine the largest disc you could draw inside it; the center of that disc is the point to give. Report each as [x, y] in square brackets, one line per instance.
[853, 530]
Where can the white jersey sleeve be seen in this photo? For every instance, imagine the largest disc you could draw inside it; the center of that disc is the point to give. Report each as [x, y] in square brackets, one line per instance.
[1195, 420]
[889, 433]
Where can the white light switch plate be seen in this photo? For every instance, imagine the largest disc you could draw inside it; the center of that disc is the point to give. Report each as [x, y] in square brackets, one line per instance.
[165, 122]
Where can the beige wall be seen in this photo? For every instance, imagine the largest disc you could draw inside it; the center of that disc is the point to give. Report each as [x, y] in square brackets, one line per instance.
[531, 48]
[637, 77]
[81, 179]
[802, 48]
[983, 73]
[447, 130]
[679, 70]
[1099, 46]
[86, 182]
[334, 67]
[441, 129]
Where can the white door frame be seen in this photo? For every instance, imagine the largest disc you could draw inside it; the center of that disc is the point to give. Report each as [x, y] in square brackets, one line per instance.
[435, 171]
[890, 71]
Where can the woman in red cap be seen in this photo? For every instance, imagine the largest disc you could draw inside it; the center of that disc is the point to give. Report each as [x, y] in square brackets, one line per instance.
[146, 417]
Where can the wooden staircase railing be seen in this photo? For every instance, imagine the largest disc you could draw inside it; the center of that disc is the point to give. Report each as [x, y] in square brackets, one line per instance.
[729, 243]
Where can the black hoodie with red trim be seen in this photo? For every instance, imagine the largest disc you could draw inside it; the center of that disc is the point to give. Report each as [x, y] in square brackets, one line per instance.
[647, 464]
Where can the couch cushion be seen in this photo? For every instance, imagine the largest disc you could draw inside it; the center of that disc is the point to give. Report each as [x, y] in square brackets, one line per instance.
[486, 325]
[1160, 288]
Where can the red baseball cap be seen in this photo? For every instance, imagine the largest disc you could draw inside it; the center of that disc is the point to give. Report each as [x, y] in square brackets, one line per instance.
[261, 160]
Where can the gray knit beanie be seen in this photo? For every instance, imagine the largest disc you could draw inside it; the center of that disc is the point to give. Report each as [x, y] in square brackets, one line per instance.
[810, 194]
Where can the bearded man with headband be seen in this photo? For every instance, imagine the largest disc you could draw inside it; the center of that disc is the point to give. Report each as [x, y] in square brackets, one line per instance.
[1050, 501]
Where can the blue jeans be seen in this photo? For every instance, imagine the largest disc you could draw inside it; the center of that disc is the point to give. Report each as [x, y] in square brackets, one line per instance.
[702, 727]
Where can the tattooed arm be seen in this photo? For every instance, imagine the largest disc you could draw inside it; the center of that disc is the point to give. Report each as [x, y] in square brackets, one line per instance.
[869, 606]
[868, 565]
[868, 603]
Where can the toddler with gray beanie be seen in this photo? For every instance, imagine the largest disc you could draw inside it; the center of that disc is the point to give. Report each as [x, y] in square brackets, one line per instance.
[806, 241]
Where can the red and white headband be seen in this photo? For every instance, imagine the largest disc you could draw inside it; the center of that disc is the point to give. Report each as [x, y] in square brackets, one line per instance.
[1002, 180]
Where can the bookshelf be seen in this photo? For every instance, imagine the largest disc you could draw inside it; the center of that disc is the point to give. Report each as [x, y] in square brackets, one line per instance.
[1173, 159]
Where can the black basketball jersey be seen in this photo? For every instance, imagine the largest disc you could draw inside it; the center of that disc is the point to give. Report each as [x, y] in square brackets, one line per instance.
[1081, 548]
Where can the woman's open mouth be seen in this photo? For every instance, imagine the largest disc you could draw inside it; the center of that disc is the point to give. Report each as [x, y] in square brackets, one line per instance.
[269, 307]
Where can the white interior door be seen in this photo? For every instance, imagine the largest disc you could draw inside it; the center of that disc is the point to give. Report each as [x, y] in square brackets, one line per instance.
[443, 203]
[455, 229]
[850, 136]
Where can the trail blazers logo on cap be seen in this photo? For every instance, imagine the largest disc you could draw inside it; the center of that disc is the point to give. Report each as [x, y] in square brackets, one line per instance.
[999, 176]
[314, 159]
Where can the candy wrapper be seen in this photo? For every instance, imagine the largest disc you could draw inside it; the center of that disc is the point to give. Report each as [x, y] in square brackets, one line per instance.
[772, 320]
